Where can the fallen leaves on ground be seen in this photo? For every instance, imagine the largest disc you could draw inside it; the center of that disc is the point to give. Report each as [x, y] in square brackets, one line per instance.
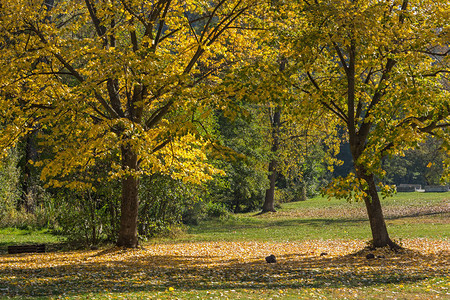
[360, 212]
[223, 266]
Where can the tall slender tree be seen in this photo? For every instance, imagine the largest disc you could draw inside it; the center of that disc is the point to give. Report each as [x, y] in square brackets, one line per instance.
[381, 69]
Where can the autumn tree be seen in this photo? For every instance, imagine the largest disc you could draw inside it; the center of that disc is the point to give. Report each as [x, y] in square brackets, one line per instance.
[290, 129]
[114, 78]
[380, 67]
[297, 132]
[264, 79]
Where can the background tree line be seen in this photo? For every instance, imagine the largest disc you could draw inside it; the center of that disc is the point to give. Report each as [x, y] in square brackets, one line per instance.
[91, 217]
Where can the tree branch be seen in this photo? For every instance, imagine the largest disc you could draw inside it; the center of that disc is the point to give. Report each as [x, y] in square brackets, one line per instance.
[162, 145]
[158, 114]
[341, 57]
[210, 19]
[74, 72]
[365, 126]
[161, 24]
[101, 30]
[334, 108]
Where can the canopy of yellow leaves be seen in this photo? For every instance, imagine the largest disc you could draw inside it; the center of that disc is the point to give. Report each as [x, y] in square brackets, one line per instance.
[93, 76]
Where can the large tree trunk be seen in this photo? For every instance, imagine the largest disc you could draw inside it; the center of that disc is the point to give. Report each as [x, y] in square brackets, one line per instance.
[376, 219]
[130, 202]
[275, 122]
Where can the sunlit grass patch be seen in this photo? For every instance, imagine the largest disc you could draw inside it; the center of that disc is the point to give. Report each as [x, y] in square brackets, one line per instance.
[16, 236]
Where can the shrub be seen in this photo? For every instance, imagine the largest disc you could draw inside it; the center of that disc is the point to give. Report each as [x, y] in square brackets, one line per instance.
[216, 210]
[165, 203]
[85, 218]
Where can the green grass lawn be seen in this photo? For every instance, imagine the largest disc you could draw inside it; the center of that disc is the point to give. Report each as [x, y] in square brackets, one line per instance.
[16, 236]
[408, 215]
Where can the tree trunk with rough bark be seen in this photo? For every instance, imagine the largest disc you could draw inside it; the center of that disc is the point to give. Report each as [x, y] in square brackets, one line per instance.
[29, 196]
[372, 201]
[130, 202]
[275, 122]
[269, 199]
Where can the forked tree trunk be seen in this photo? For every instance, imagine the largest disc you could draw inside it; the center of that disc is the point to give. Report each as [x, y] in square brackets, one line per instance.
[130, 202]
[378, 227]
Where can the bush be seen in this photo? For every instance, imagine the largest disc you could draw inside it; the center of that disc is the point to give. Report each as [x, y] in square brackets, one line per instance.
[18, 219]
[85, 218]
[216, 210]
[165, 203]
[18, 209]
[192, 214]
[241, 190]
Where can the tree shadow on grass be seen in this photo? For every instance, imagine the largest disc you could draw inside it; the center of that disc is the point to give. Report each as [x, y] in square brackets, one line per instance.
[314, 222]
[120, 271]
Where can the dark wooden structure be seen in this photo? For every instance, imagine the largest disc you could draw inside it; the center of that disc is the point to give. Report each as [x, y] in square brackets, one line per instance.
[40, 248]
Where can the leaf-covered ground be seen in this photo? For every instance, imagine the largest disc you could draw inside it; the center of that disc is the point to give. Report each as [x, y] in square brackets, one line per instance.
[233, 270]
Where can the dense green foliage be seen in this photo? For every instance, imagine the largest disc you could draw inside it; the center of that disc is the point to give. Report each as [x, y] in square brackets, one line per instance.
[417, 166]
[9, 186]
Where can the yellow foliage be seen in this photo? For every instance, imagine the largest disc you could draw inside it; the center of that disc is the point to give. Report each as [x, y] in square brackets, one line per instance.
[95, 79]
